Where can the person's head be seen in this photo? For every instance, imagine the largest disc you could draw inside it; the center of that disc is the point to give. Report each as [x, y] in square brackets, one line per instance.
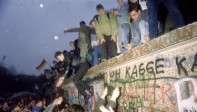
[82, 23]
[5, 105]
[72, 46]
[120, 2]
[77, 107]
[54, 62]
[100, 9]
[113, 11]
[16, 108]
[59, 56]
[134, 12]
[132, 1]
[39, 103]
[92, 23]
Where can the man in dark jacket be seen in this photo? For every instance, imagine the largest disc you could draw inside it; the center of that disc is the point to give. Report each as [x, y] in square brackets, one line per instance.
[74, 49]
[80, 70]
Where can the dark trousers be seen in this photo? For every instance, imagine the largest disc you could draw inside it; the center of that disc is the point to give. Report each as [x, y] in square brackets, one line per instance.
[108, 48]
[173, 10]
[80, 72]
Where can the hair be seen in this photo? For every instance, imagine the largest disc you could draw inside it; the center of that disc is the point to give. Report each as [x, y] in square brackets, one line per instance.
[70, 109]
[130, 3]
[82, 23]
[99, 6]
[71, 42]
[77, 107]
[135, 7]
[91, 22]
[95, 17]
[58, 53]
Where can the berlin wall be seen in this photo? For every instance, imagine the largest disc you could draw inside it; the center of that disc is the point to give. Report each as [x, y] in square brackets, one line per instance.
[160, 76]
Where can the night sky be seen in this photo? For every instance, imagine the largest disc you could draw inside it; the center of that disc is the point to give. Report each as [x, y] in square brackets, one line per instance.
[28, 28]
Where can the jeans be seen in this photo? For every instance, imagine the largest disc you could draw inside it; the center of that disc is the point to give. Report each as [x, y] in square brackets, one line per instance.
[77, 80]
[173, 10]
[108, 48]
[124, 36]
[96, 55]
[144, 14]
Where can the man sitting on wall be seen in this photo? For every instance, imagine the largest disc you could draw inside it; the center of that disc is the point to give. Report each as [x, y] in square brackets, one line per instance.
[140, 29]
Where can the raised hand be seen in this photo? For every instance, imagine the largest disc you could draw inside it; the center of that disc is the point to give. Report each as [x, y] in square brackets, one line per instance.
[58, 101]
[115, 94]
[146, 38]
[103, 109]
[129, 46]
[104, 93]
[113, 38]
[60, 81]
[102, 41]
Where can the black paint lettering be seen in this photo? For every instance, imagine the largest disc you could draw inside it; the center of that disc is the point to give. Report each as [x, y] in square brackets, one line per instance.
[128, 75]
[195, 63]
[118, 73]
[102, 73]
[111, 74]
[141, 70]
[157, 66]
[134, 71]
[150, 70]
[180, 66]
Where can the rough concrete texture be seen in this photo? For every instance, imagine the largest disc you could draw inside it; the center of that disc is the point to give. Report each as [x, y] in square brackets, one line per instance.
[159, 76]
[169, 39]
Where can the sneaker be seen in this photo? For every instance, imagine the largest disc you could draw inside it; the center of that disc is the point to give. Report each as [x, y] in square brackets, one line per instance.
[91, 90]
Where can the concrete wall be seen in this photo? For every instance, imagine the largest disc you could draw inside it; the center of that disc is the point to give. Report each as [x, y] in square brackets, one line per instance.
[160, 76]
[73, 97]
[160, 81]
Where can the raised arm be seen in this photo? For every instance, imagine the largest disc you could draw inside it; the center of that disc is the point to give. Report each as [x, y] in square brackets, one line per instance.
[73, 30]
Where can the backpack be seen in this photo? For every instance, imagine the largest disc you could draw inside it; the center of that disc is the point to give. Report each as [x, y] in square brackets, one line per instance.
[108, 16]
[90, 55]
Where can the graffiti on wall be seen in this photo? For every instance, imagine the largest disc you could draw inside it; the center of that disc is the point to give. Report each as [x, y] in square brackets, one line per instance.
[149, 82]
[74, 97]
[187, 102]
[157, 67]
[164, 81]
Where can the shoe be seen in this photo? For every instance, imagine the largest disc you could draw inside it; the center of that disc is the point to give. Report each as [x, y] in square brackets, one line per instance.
[91, 90]
[86, 98]
[103, 60]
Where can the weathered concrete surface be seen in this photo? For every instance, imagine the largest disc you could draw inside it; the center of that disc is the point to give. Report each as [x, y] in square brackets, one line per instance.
[172, 38]
[73, 97]
[160, 76]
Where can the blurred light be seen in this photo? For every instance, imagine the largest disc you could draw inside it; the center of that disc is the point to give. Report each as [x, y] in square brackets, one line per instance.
[56, 37]
[41, 5]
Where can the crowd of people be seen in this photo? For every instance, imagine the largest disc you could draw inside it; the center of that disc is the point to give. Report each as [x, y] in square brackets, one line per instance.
[130, 25]
[37, 103]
